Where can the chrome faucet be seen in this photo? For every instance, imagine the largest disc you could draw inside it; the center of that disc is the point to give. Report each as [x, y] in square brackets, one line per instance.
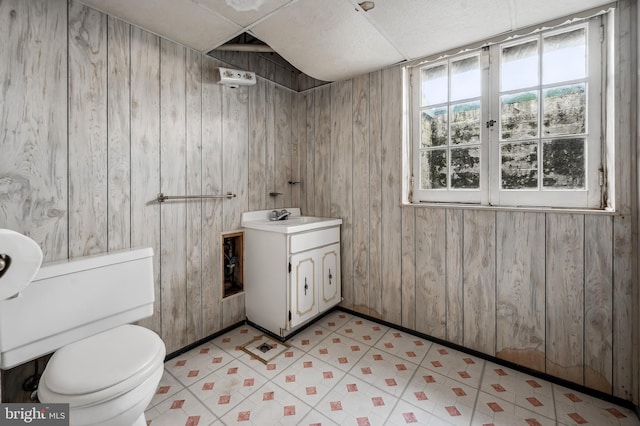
[279, 215]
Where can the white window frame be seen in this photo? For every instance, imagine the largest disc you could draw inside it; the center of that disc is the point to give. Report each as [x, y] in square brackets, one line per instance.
[490, 193]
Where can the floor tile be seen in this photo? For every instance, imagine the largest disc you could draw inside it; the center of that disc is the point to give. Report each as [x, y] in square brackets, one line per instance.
[355, 402]
[454, 364]
[315, 418]
[404, 345]
[441, 396]
[310, 379]
[406, 414]
[275, 366]
[575, 408]
[347, 370]
[519, 388]
[269, 405]
[309, 338]
[334, 320]
[385, 371]
[493, 410]
[192, 366]
[237, 337]
[167, 387]
[362, 330]
[339, 351]
[180, 409]
[225, 388]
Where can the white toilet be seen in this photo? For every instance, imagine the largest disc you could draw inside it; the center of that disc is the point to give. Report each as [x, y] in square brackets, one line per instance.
[106, 369]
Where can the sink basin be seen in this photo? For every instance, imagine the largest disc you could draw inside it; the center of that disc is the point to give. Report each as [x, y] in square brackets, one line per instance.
[295, 222]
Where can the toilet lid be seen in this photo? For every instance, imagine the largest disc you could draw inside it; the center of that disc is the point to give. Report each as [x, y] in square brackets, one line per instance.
[103, 360]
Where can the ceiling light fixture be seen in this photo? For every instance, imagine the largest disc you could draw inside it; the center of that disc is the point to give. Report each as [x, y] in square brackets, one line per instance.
[367, 5]
[235, 78]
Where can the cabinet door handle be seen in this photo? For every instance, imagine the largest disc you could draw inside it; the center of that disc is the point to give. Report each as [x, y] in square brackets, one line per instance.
[330, 276]
[306, 286]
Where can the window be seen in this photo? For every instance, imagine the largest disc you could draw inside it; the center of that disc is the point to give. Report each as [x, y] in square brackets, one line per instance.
[514, 124]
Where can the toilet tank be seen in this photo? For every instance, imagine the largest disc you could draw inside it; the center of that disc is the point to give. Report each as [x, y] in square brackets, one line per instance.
[71, 300]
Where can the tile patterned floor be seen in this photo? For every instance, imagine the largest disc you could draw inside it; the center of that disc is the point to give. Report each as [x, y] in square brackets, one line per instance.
[345, 370]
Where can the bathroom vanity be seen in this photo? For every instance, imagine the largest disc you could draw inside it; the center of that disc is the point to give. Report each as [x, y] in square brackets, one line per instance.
[292, 268]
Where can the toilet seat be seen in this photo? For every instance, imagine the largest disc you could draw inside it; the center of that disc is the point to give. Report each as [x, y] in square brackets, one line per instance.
[102, 367]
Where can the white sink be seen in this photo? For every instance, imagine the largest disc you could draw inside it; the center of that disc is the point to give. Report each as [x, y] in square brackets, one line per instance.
[294, 223]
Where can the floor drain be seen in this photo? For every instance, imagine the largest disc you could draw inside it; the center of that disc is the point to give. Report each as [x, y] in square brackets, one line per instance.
[264, 348]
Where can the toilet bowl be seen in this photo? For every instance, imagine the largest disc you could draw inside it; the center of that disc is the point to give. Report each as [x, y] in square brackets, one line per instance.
[106, 369]
[107, 379]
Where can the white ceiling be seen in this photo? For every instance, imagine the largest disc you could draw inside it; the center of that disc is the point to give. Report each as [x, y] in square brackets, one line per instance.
[336, 39]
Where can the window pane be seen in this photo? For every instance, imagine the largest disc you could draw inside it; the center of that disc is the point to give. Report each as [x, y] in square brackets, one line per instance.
[519, 116]
[519, 66]
[519, 165]
[465, 78]
[465, 123]
[435, 85]
[465, 168]
[433, 130]
[565, 110]
[433, 169]
[563, 163]
[564, 57]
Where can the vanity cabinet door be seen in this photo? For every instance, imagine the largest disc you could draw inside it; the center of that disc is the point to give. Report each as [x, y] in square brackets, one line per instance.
[330, 291]
[304, 304]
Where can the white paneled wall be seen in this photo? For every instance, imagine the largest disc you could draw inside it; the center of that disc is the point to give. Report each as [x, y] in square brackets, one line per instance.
[95, 123]
[554, 292]
[97, 117]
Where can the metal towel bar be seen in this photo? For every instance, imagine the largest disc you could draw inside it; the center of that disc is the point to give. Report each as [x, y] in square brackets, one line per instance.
[162, 198]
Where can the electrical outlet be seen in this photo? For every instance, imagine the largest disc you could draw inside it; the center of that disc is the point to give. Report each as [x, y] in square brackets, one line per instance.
[294, 149]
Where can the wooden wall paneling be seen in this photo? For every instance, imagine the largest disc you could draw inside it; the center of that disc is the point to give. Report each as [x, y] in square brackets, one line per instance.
[625, 89]
[454, 256]
[173, 255]
[145, 155]
[300, 141]
[626, 374]
[410, 307]
[33, 131]
[212, 286]
[565, 296]
[285, 76]
[235, 59]
[259, 65]
[361, 201]
[258, 191]
[33, 126]
[195, 324]
[623, 333]
[119, 134]
[307, 155]
[322, 154]
[87, 131]
[374, 303]
[235, 154]
[342, 179]
[271, 142]
[283, 131]
[430, 271]
[520, 288]
[233, 310]
[235, 158]
[391, 195]
[295, 176]
[598, 303]
[479, 283]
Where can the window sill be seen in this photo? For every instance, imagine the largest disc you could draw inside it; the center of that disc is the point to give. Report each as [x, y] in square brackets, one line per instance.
[462, 206]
